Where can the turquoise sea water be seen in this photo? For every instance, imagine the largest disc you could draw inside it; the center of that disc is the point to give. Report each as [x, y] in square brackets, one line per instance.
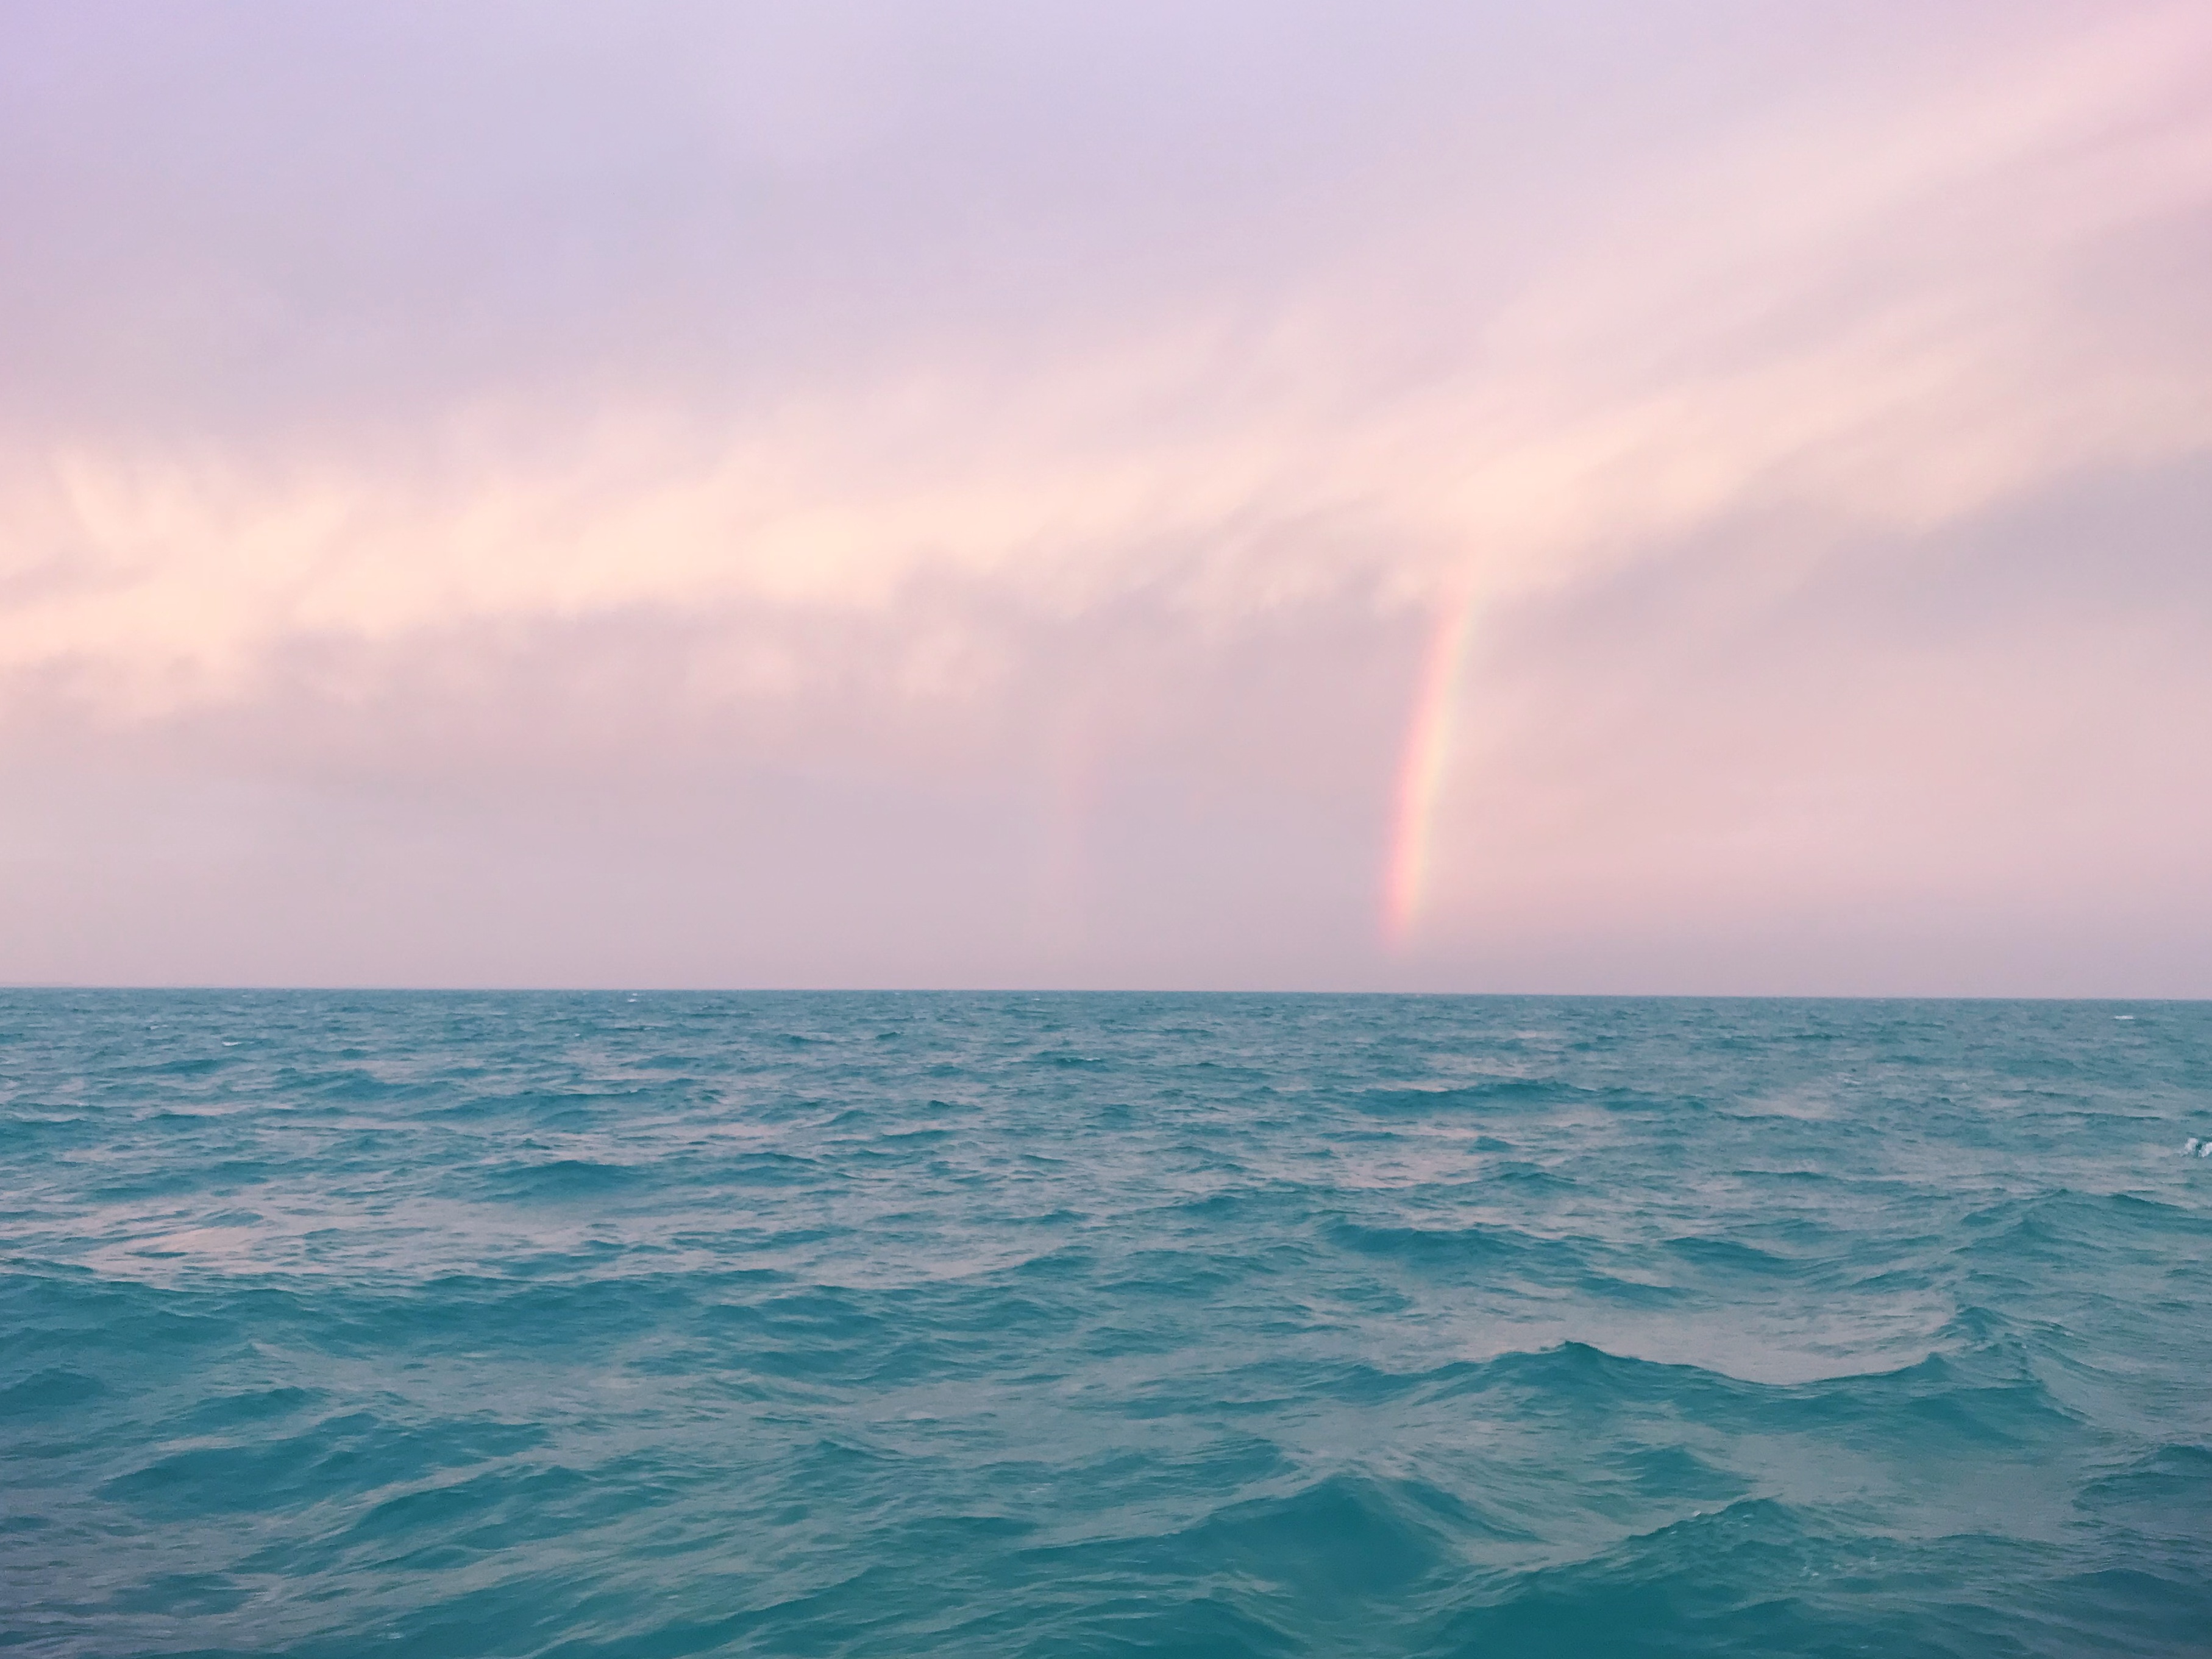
[594, 1325]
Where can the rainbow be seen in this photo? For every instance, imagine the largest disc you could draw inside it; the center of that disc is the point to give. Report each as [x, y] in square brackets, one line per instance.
[1421, 772]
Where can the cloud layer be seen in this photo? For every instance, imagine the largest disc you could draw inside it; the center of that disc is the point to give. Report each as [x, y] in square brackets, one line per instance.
[947, 495]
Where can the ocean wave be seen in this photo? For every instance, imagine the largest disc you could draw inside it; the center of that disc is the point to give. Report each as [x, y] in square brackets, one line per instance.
[575, 1326]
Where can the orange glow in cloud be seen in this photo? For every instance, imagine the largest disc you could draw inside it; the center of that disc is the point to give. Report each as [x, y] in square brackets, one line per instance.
[1421, 772]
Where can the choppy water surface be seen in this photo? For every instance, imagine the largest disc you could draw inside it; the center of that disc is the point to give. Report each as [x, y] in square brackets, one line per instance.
[337, 1324]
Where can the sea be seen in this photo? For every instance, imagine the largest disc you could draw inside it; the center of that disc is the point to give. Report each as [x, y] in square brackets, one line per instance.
[856, 1324]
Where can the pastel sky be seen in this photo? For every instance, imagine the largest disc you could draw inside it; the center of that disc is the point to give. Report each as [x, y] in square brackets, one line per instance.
[1619, 496]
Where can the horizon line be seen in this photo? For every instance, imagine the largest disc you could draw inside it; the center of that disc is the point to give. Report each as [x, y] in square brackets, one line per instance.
[1080, 990]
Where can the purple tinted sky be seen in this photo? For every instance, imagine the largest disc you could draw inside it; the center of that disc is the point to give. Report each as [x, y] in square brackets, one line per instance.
[1646, 497]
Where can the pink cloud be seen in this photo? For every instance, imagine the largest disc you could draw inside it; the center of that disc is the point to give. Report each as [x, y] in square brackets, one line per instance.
[1452, 533]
